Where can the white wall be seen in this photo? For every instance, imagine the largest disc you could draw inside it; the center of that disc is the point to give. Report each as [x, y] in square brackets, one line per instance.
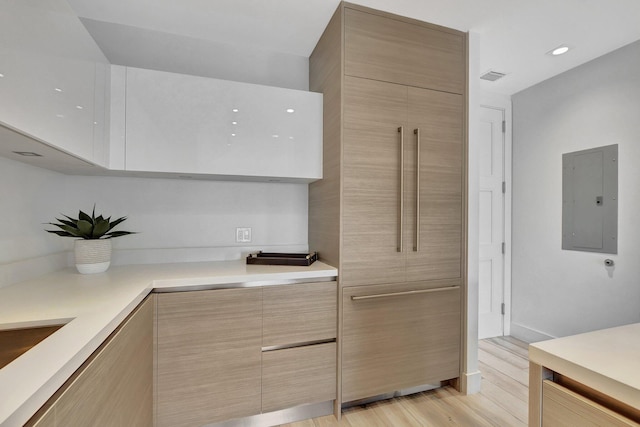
[156, 50]
[556, 292]
[25, 196]
[177, 220]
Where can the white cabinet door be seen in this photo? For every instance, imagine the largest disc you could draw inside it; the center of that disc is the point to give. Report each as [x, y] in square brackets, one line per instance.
[194, 125]
[53, 78]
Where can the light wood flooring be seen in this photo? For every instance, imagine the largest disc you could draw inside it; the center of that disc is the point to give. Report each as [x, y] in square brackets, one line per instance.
[502, 401]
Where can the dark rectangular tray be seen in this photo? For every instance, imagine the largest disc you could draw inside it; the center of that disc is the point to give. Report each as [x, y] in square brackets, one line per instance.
[280, 258]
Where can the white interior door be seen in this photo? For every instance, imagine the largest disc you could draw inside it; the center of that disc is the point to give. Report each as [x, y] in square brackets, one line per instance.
[492, 223]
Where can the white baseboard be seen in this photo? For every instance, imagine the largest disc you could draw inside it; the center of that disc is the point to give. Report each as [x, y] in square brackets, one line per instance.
[470, 382]
[528, 335]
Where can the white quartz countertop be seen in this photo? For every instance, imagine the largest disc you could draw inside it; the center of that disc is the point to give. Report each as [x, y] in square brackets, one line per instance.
[607, 360]
[94, 306]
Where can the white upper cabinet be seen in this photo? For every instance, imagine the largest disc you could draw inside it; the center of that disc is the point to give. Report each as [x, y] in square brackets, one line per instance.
[53, 78]
[185, 124]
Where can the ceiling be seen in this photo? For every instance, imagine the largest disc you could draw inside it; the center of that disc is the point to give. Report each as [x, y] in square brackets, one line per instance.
[514, 35]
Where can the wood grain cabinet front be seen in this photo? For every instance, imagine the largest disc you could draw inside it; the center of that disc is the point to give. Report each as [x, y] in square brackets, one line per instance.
[399, 336]
[390, 211]
[234, 353]
[297, 376]
[298, 314]
[299, 359]
[562, 407]
[194, 358]
[401, 51]
[114, 387]
[208, 357]
[402, 184]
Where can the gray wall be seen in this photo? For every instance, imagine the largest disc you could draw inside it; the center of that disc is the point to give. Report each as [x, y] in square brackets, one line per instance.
[555, 292]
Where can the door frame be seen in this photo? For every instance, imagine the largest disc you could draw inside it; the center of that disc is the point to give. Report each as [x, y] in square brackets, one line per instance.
[503, 102]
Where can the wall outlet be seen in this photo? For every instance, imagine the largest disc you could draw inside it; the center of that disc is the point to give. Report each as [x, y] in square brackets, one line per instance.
[243, 235]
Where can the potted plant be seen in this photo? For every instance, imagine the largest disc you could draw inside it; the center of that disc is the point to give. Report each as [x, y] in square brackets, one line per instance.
[92, 248]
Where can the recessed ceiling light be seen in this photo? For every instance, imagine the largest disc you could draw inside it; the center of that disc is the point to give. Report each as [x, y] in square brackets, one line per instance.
[233, 134]
[275, 136]
[57, 89]
[28, 153]
[234, 123]
[235, 110]
[1, 75]
[560, 50]
[290, 110]
[79, 107]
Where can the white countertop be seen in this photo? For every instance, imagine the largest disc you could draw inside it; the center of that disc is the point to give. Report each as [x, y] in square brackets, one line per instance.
[607, 360]
[94, 306]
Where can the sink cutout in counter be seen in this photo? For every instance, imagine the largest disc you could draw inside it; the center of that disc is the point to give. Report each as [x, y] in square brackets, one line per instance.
[16, 342]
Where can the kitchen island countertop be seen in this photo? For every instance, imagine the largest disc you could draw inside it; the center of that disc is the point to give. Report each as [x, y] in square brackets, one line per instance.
[92, 306]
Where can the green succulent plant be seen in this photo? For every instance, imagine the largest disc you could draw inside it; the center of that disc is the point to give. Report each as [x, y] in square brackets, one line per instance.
[88, 227]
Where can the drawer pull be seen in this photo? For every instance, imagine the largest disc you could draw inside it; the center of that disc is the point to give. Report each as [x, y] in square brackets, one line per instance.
[398, 294]
[297, 345]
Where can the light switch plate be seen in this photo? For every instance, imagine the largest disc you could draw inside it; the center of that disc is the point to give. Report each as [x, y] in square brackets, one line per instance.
[243, 235]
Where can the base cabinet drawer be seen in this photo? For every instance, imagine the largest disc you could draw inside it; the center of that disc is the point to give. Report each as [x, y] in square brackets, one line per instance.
[397, 337]
[299, 313]
[296, 376]
[562, 407]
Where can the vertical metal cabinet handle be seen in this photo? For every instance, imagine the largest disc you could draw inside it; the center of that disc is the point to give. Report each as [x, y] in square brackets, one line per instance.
[416, 247]
[401, 205]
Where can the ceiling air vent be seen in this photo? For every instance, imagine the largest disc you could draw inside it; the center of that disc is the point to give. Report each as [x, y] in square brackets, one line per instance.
[492, 76]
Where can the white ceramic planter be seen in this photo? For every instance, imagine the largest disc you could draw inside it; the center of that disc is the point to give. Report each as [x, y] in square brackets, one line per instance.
[92, 256]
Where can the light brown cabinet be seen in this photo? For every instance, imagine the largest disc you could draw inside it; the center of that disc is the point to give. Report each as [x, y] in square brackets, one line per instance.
[298, 342]
[402, 184]
[208, 346]
[234, 353]
[114, 387]
[562, 407]
[390, 211]
[407, 334]
[298, 375]
[403, 51]
[299, 313]
[199, 357]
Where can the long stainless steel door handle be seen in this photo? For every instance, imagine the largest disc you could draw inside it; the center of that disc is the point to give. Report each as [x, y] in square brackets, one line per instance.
[416, 247]
[398, 294]
[401, 204]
